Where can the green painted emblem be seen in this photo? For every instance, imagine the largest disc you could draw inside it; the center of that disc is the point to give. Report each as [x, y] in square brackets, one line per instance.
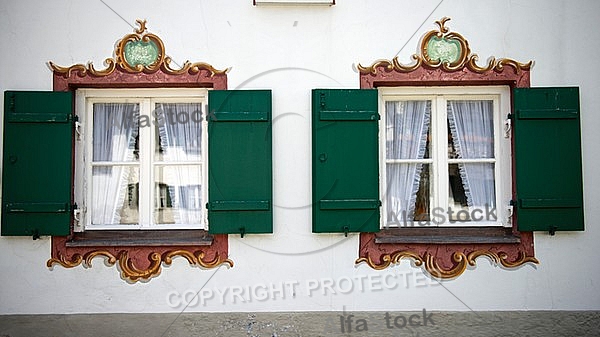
[442, 49]
[140, 52]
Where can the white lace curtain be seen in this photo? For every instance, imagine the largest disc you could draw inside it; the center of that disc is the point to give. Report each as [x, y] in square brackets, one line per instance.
[181, 142]
[472, 128]
[115, 131]
[407, 125]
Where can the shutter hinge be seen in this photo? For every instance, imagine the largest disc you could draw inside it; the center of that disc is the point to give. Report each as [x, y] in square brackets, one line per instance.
[36, 234]
[242, 231]
[552, 230]
[346, 231]
[11, 103]
[322, 100]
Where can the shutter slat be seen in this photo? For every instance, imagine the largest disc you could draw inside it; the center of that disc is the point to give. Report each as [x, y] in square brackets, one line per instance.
[49, 207]
[547, 114]
[262, 205]
[548, 167]
[239, 162]
[350, 204]
[348, 115]
[345, 161]
[242, 116]
[549, 203]
[38, 117]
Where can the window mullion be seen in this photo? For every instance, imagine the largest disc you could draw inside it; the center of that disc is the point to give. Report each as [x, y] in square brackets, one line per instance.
[88, 155]
[146, 190]
[204, 170]
[501, 204]
[441, 151]
[382, 162]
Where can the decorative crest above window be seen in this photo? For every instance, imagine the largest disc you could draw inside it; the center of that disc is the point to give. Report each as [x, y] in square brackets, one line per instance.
[446, 50]
[136, 53]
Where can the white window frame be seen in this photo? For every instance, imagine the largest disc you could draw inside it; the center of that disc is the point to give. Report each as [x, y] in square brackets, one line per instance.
[146, 98]
[500, 95]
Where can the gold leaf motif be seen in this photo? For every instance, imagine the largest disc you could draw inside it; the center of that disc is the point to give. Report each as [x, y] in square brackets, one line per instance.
[388, 66]
[387, 260]
[197, 258]
[191, 68]
[464, 60]
[80, 69]
[87, 262]
[460, 260]
[119, 61]
[129, 271]
[517, 66]
[75, 261]
[110, 67]
[407, 69]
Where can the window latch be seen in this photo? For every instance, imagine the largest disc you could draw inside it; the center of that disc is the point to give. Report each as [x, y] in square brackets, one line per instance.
[78, 130]
[507, 126]
[509, 213]
[76, 216]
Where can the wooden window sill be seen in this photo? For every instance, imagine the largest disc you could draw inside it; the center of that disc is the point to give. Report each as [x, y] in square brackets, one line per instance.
[447, 235]
[140, 238]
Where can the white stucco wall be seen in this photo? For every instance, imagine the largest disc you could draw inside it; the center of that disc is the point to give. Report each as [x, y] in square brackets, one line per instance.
[292, 50]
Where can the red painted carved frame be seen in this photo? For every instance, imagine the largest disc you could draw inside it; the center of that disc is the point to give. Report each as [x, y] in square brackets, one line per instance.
[138, 262]
[445, 260]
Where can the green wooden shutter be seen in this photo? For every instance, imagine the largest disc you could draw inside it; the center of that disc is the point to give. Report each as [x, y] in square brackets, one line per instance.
[345, 161]
[37, 163]
[547, 148]
[239, 162]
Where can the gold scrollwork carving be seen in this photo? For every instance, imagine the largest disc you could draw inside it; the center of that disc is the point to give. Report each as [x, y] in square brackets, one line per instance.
[191, 68]
[463, 59]
[146, 38]
[120, 62]
[460, 259]
[129, 271]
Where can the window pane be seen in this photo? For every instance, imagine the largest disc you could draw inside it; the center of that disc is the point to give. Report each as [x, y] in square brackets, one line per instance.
[115, 195]
[179, 129]
[471, 129]
[471, 186]
[408, 194]
[178, 194]
[115, 135]
[407, 129]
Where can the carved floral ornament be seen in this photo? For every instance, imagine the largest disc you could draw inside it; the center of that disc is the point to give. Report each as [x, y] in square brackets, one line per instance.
[446, 50]
[136, 53]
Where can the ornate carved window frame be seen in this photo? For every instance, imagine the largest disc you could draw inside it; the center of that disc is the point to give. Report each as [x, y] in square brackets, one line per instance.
[142, 258]
[445, 59]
